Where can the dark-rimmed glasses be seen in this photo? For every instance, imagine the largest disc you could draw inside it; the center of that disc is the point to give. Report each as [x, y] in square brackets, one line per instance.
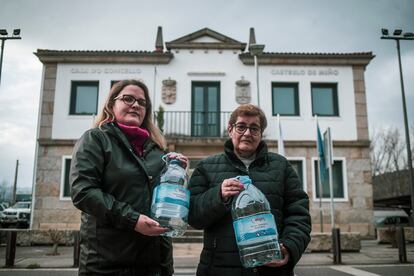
[242, 128]
[130, 100]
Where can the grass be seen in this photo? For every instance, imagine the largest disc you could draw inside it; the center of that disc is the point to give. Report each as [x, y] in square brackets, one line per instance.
[33, 266]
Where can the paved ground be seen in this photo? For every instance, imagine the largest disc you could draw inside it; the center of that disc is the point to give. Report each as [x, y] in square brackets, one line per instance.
[186, 255]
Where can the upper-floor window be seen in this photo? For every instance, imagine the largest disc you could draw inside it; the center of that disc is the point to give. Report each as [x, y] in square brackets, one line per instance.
[285, 99]
[84, 98]
[325, 99]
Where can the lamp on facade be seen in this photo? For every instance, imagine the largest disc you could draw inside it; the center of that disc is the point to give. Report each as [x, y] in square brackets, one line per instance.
[397, 36]
[3, 37]
[255, 50]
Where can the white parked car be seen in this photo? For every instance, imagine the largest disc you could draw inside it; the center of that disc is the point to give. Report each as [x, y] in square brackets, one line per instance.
[18, 214]
[3, 206]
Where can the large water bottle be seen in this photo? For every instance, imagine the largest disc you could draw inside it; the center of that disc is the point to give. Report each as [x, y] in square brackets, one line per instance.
[254, 226]
[171, 199]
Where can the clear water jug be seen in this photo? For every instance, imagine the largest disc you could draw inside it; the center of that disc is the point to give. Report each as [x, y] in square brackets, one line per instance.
[254, 226]
[171, 199]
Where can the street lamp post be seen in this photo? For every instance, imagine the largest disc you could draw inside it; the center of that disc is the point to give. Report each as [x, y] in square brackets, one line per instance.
[3, 37]
[255, 50]
[397, 36]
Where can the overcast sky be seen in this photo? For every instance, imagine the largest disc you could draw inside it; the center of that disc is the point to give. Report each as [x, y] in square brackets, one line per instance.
[323, 26]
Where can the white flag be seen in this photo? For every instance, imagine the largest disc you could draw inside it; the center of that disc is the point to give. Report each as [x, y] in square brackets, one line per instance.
[280, 145]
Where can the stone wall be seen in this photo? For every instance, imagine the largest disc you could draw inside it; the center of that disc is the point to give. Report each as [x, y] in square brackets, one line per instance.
[322, 242]
[387, 234]
[40, 237]
[51, 212]
[353, 215]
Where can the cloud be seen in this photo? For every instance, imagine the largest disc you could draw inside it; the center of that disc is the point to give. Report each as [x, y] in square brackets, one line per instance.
[283, 26]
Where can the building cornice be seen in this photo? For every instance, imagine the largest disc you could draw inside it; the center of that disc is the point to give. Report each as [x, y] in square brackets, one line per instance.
[114, 57]
[196, 141]
[213, 141]
[332, 59]
[312, 144]
[56, 142]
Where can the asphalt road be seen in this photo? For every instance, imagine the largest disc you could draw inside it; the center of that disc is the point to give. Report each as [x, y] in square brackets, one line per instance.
[342, 270]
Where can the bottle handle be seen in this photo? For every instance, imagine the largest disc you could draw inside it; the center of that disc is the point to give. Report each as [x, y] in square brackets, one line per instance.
[167, 159]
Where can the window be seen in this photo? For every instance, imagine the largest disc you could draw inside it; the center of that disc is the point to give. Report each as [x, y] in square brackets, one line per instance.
[298, 166]
[325, 99]
[285, 99]
[84, 98]
[338, 181]
[65, 185]
[205, 109]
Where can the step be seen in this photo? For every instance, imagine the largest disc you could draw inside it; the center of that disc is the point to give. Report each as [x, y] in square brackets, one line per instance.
[190, 236]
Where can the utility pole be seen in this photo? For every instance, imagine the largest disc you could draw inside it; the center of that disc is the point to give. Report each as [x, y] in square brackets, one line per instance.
[15, 182]
[4, 35]
[397, 36]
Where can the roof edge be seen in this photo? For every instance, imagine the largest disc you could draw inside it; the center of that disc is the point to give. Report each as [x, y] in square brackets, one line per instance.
[361, 58]
[64, 56]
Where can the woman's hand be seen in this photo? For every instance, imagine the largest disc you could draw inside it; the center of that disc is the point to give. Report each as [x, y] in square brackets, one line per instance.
[149, 227]
[230, 187]
[179, 156]
[282, 262]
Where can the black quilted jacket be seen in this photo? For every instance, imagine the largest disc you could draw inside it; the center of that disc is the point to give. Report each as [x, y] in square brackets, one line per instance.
[112, 187]
[276, 178]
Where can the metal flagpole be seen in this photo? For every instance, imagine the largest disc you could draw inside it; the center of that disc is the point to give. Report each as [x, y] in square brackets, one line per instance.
[328, 160]
[336, 233]
[319, 172]
[280, 144]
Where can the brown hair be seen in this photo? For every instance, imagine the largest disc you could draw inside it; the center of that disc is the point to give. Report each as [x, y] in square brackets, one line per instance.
[107, 115]
[248, 110]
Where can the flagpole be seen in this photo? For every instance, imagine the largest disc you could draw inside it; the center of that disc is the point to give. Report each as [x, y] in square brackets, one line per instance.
[280, 144]
[320, 176]
[330, 161]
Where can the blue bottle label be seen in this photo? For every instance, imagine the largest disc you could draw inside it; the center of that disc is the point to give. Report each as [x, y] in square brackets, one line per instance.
[255, 228]
[171, 193]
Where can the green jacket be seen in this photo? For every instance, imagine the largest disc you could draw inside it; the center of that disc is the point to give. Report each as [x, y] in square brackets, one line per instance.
[112, 186]
[275, 177]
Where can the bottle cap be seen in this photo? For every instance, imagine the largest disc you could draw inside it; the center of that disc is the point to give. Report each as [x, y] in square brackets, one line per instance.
[175, 161]
[244, 179]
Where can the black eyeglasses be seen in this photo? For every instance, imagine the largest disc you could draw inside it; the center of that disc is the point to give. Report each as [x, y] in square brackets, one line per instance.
[241, 129]
[130, 100]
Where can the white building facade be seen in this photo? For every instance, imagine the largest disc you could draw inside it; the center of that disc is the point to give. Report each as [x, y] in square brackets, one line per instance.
[198, 80]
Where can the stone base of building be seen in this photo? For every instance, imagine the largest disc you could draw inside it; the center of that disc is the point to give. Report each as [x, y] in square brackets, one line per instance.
[387, 234]
[26, 237]
[322, 242]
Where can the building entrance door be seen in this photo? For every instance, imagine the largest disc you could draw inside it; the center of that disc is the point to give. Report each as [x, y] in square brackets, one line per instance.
[205, 109]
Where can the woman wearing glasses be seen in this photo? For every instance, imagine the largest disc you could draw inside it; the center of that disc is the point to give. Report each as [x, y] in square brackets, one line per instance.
[212, 186]
[115, 167]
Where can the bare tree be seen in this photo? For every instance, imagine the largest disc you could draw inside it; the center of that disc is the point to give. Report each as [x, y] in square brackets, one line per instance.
[56, 237]
[388, 151]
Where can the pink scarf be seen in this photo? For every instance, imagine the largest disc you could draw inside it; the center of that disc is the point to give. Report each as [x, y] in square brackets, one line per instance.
[136, 136]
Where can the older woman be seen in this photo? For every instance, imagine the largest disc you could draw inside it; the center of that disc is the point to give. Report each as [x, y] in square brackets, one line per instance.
[212, 187]
[115, 167]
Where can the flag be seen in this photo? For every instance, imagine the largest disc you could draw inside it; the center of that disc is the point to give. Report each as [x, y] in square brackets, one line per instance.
[321, 154]
[280, 145]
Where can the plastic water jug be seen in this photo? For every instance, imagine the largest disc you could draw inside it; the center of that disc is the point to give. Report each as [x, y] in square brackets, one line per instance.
[254, 226]
[171, 199]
